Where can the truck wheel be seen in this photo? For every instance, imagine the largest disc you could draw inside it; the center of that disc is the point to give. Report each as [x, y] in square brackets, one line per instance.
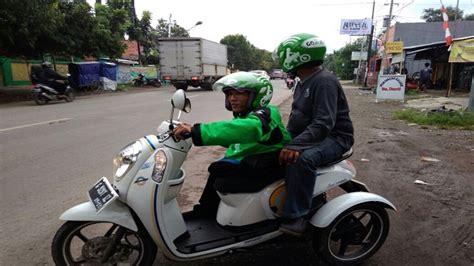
[183, 87]
[207, 86]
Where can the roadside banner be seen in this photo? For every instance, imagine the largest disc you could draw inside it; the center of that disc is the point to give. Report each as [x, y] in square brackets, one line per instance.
[356, 26]
[391, 87]
[462, 51]
[394, 47]
[149, 72]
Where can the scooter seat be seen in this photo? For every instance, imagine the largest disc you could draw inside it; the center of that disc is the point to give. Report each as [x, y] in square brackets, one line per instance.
[346, 155]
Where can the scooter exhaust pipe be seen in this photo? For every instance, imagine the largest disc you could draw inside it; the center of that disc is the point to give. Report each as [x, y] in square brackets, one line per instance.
[47, 96]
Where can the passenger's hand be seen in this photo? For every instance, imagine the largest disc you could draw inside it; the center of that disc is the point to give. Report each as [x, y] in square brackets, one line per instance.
[181, 129]
[288, 156]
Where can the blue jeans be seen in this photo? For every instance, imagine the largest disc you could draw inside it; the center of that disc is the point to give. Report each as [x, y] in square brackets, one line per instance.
[301, 176]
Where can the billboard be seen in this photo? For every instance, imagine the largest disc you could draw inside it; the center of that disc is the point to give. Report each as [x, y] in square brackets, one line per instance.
[356, 26]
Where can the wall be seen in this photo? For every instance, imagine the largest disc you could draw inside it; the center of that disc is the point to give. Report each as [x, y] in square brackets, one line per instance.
[16, 72]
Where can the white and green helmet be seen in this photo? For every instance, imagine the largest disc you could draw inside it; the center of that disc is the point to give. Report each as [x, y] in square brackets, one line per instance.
[299, 49]
[260, 88]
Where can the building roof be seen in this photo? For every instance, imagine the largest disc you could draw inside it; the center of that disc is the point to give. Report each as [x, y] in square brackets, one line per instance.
[420, 33]
[131, 53]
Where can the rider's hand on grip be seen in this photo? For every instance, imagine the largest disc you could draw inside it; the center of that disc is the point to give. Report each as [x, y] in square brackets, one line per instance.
[182, 131]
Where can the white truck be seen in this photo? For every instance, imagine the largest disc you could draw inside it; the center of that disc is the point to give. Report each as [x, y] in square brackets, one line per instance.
[193, 62]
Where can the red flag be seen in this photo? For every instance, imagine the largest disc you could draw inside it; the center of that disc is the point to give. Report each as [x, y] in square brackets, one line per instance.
[447, 34]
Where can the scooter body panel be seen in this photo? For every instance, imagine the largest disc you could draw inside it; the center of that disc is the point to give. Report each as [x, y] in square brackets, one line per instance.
[332, 176]
[116, 212]
[324, 216]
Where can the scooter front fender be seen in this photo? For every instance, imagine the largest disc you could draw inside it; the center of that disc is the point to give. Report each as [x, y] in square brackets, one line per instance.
[324, 216]
[116, 212]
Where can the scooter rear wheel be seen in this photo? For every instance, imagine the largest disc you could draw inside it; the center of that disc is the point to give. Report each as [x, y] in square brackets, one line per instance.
[70, 96]
[354, 236]
[84, 243]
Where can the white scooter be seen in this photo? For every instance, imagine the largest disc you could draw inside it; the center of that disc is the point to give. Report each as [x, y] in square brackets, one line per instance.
[125, 222]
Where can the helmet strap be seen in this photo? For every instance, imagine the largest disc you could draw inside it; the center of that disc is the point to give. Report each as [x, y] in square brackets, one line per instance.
[252, 96]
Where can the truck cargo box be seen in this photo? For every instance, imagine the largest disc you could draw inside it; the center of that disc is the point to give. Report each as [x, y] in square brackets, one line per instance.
[192, 61]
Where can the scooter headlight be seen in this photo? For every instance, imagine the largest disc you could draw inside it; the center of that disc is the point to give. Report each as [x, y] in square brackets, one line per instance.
[125, 159]
[160, 166]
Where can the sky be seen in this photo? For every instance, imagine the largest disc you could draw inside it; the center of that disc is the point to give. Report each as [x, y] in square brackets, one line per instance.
[266, 23]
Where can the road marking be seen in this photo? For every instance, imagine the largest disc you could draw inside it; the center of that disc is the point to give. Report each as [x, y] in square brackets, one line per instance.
[37, 124]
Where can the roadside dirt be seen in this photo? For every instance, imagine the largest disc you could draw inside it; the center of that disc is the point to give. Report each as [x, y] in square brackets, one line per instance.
[434, 223]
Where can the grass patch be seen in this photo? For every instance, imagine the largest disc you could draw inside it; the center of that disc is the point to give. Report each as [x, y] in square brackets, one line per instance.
[124, 87]
[454, 119]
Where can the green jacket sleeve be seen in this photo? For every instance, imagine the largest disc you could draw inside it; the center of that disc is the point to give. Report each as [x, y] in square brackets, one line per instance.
[225, 133]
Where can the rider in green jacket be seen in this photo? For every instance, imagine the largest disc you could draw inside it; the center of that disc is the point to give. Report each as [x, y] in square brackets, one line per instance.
[254, 138]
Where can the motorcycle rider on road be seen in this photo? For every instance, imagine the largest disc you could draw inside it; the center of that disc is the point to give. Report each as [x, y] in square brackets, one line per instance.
[254, 137]
[51, 78]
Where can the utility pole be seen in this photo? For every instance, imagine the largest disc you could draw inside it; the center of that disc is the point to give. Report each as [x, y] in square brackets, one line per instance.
[389, 21]
[369, 48]
[169, 27]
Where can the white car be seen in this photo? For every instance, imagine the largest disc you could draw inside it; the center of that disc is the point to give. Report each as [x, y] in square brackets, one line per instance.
[261, 73]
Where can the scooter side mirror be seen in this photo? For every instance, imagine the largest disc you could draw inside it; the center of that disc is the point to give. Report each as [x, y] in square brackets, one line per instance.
[180, 102]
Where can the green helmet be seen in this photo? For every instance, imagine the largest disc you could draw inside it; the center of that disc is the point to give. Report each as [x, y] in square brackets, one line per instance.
[299, 49]
[260, 88]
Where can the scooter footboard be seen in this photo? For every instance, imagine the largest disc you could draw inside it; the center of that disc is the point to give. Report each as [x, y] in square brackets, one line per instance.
[324, 216]
[116, 212]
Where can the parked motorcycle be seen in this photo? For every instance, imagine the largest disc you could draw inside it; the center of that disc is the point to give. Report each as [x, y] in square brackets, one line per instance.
[141, 80]
[125, 221]
[42, 93]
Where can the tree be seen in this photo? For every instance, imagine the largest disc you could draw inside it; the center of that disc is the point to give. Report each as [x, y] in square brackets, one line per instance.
[147, 39]
[469, 17]
[340, 61]
[109, 34]
[28, 28]
[435, 15]
[34, 28]
[264, 59]
[239, 52]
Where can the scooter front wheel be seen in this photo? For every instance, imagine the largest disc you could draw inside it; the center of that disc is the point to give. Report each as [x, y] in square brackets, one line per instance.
[86, 242]
[354, 236]
[40, 99]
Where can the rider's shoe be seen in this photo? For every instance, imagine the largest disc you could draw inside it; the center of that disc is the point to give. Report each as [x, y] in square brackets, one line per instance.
[295, 227]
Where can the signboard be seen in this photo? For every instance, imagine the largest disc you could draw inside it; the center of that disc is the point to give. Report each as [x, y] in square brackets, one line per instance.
[391, 87]
[356, 56]
[356, 26]
[394, 47]
[462, 51]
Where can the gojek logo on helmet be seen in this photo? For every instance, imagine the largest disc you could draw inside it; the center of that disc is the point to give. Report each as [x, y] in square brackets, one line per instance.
[313, 43]
[294, 58]
[267, 97]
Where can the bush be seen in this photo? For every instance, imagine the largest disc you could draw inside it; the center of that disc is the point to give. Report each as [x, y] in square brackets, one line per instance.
[443, 119]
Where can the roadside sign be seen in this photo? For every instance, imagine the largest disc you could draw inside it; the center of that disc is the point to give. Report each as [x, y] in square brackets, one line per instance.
[391, 87]
[394, 47]
[358, 55]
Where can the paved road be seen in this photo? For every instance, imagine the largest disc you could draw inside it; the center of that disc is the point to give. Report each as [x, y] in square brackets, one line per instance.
[50, 155]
